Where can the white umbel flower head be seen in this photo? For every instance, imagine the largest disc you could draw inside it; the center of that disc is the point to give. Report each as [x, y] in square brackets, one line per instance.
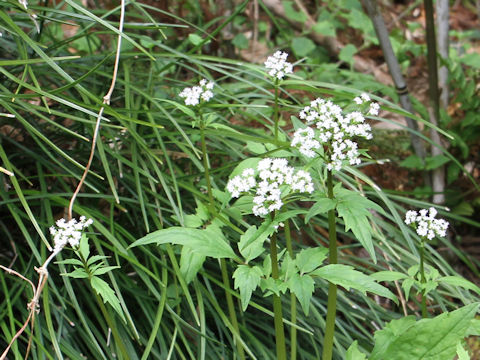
[68, 232]
[197, 94]
[333, 129]
[425, 223]
[276, 181]
[278, 66]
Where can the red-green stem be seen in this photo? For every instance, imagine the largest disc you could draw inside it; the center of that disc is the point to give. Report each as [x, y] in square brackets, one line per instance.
[293, 299]
[332, 288]
[277, 304]
[223, 262]
[422, 280]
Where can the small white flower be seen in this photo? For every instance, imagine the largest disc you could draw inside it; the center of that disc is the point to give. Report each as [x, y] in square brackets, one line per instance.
[277, 178]
[194, 95]
[425, 223]
[68, 232]
[278, 66]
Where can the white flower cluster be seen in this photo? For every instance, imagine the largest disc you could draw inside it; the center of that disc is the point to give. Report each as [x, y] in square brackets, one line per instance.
[334, 129]
[202, 92]
[278, 65]
[68, 232]
[365, 98]
[425, 223]
[273, 174]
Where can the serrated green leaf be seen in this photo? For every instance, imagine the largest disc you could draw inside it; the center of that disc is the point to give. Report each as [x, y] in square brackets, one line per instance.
[251, 242]
[426, 339]
[96, 258]
[353, 353]
[190, 263]
[348, 277]
[192, 221]
[407, 285]
[275, 286]
[388, 276]
[104, 270]
[246, 279]
[108, 295]
[459, 281]
[78, 273]
[84, 247]
[302, 287]
[205, 242]
[309, 259]
[321, 206]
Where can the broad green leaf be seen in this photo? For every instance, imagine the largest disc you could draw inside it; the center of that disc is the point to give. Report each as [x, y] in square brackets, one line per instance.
[195, 39]
[78, 273]
[353, 353]
[245, 164]
[302, 46]
[275, 286]
[426, 339]
[256, 147]
[246, 279]
[108, 295]
[348, 277]
[388, 276]
[407, 286]
[459, 281]
[412, 162]
[435, 161]
[292, 13]
[302, 287]
[104, 270]
[190, 263]
[205, 242]
[346, 54]
[309, 259]
[324, 28]
[321, 206]
[251, 243]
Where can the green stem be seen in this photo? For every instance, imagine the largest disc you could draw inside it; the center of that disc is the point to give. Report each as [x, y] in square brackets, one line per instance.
[223, 262]
[277, 304]
[275, 109]
[423, 280]
[293, 299]
[332, 288]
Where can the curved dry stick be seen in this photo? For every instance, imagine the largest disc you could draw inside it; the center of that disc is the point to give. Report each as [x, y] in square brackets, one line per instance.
[106, 101]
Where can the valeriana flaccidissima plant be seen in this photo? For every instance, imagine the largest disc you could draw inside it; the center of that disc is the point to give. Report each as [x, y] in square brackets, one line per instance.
[427, 226]
[329, 135]
[277, 184]
[197, 96]
[65, 233]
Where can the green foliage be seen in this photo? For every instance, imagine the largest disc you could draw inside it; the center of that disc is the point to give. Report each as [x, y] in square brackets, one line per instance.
[435, 338]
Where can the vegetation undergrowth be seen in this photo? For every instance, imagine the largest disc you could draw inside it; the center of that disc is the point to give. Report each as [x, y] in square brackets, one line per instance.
[222, 208]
